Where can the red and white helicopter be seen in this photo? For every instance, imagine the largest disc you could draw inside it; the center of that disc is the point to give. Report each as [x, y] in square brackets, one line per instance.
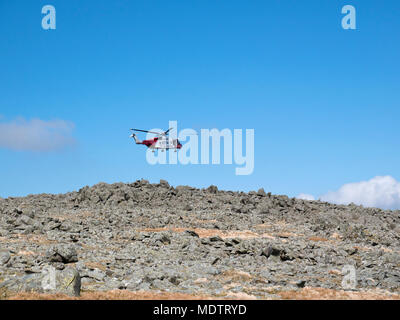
[161, 142]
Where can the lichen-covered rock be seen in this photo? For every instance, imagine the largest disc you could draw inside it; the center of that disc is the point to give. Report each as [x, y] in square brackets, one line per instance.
[66, 281]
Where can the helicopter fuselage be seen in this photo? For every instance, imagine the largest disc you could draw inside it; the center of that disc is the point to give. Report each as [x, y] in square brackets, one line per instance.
[162, 143]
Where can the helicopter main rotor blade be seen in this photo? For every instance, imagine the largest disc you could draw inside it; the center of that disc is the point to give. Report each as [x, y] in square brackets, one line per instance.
[159, 133]
[166, 132]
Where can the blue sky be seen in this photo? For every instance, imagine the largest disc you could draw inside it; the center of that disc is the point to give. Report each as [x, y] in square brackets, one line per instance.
[323, 101]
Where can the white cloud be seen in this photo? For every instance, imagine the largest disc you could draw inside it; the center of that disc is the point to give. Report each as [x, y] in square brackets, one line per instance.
[305, 196]
[381, 192]
[36, 135]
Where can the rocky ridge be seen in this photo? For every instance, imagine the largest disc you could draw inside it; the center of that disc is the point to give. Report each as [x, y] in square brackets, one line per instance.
[224, 244]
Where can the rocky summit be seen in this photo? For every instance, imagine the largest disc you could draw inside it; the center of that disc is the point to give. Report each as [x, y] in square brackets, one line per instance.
[145, 238]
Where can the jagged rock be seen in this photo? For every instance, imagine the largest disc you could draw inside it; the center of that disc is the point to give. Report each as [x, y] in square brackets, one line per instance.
[163, 238]
[164, 183]
[96, 274]
[269, 251]
[212, 189]
[62, 253]
[192, 233]
[261, 192]
[4, 257]
[66, 281]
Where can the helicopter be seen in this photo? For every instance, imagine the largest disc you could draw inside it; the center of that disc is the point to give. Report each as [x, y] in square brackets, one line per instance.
[161, 142]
